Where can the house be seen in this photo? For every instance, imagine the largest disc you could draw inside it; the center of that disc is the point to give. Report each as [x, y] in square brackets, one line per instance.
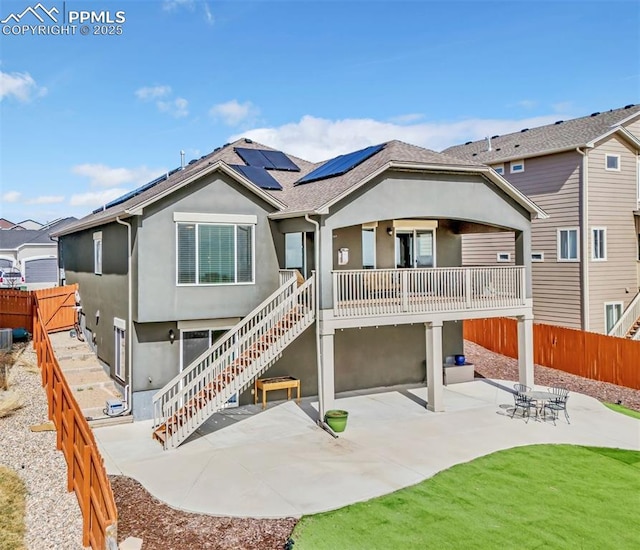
[6, 224]
[28, 224]
[34, 252]
[585, 173]
[189, 290]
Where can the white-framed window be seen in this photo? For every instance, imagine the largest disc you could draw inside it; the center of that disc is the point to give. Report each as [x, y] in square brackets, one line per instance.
[568, 244]
[537, 256]
[516, 166]
[599, 243]
[215, 253]
[369, 248]
[499, 168]
[503, 256]
[612, 313]
[120, 347]
[97, 253]
[612, 162]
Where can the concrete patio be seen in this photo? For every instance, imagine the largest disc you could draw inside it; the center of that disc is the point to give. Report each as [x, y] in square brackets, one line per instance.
[278, 463]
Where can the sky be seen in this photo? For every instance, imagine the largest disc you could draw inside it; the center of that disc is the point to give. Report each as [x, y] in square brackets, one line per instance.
[86, 118]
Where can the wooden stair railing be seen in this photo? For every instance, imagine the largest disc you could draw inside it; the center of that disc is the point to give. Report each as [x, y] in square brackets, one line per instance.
[232, 363]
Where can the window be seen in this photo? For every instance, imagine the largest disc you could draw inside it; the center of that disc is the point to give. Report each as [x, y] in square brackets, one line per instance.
[97, 253]
[119, 331]
[214, 254]
[503, 256]
[537, 256]
[612, 162]
[568, 245]
[517, 166]
[294, 251]
[612, 313]
[599, 243]
[499, 168]
[369, 248]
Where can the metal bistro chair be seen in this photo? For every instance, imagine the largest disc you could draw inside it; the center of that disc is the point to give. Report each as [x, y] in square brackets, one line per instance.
[558, 403]
[523, 402]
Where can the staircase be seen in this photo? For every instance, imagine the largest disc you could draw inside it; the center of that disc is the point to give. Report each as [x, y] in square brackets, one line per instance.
[628, 326]
[234, 362]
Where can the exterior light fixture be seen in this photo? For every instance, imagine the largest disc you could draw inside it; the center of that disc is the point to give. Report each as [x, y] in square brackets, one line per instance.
[172, 335]
[390, 231]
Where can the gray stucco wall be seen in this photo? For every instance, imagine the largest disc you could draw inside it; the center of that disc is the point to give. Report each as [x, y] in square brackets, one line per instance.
[106, 293]
[155, 358]
[159, 298]
[364, 358]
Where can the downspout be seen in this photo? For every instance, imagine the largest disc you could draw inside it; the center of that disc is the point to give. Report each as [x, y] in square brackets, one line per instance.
[316, 254]
[128, 388]
[584, 237]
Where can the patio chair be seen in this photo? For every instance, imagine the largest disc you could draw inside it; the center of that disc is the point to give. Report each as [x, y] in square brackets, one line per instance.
[558, 403]
[521, 388]
[523, 402]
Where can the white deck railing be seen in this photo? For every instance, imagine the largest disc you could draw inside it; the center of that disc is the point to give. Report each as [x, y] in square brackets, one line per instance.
[627, 320]
[372, 292]
[233, 362]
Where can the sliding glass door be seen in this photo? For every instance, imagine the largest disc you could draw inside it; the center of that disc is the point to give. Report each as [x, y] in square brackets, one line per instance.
[415, 249]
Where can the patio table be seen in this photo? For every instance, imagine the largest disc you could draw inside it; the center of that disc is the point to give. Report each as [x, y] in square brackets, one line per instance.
[540, 397]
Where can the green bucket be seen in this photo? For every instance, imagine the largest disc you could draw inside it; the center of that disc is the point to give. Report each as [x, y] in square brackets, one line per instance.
[336, 419]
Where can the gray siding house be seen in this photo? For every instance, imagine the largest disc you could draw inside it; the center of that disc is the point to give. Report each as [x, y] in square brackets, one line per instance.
[585, 174]
[189, 289]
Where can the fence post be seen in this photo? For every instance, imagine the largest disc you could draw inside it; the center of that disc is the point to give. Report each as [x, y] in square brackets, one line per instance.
[69, 444]
[467, 288]
[57, 417]
[85, 498]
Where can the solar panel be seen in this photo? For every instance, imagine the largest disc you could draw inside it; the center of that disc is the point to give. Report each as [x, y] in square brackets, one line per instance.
[341, 164]
[271, 160]
[258, 176]
[254, 157]
[280, 161]
[133, 193]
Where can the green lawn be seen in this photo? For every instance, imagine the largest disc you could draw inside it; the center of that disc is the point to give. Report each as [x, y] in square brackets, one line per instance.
[551, 496]
[12, 508]
[623, 410]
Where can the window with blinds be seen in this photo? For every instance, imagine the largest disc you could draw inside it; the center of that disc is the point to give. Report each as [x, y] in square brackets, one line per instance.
[214, 254]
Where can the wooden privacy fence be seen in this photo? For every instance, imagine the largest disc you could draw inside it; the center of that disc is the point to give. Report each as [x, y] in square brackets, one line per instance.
[57, 307]
[16, 309]
[594, 356]
[86, 475]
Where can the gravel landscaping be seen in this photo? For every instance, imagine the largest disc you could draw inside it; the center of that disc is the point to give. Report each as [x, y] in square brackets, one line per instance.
[53, 518]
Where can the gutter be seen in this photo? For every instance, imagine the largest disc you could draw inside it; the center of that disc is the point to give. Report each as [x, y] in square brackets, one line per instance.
[584, 237]
[129, 387]
[316, 254]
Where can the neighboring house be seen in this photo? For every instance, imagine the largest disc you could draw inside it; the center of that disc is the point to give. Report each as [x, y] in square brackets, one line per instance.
[585, 174]
[6, 224]
[28, 224]
[188, 292]
[34, 252]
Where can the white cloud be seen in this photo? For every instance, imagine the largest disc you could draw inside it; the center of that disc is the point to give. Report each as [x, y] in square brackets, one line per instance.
[233, 113]
[94, 199]
[177, 108]
[207, 14]
[527, 103]
[21, 86]
[406, 119]
[316, 139]
[101, 175]
[171, 5]
[46, 199]
[11, 196]
[152, 92]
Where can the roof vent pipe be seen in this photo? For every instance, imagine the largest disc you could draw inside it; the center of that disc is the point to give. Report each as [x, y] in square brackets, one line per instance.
[488, 143]
[181, 160]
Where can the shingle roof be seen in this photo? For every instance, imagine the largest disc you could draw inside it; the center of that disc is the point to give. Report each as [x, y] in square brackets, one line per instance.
[13, 239]
[562, 135]
[295, 198]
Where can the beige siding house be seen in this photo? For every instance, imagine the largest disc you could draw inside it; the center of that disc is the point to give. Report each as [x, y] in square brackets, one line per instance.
[585, 174]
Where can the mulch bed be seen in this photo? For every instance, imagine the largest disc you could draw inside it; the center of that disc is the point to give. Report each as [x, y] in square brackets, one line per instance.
[488, 364]
[162, 527]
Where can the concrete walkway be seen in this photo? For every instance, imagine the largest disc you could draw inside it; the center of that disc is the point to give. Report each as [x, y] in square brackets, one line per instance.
[279, 463]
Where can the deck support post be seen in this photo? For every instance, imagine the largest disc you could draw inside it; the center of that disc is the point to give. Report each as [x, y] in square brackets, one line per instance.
[525, 350]
[326, 378]
[433, 340]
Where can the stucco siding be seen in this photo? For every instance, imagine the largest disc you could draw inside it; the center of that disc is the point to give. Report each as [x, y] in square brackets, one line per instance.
[612, 200]
[159, 297]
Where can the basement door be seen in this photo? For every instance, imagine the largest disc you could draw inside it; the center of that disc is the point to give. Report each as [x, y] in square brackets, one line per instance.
[195, 343]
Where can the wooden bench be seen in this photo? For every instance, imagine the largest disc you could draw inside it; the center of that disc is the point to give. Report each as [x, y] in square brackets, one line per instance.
[278, 383]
